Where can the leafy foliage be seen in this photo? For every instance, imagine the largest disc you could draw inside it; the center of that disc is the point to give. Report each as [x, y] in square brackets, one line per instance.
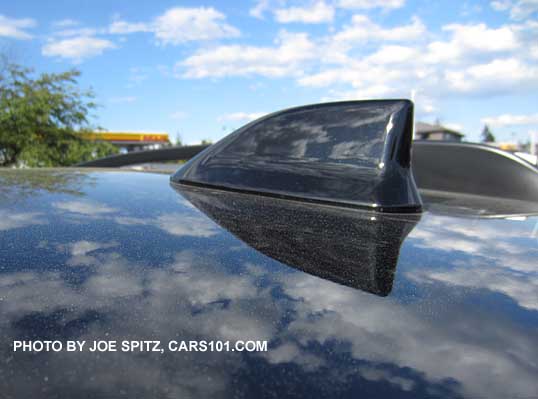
[42, 119]
[487, 136]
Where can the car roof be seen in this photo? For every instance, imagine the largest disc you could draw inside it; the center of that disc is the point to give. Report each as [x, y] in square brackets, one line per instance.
[351, 302]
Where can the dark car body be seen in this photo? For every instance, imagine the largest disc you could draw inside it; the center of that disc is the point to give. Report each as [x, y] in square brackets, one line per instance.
[353, 303]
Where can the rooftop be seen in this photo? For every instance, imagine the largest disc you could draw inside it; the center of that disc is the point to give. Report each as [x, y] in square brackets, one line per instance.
[422, 127]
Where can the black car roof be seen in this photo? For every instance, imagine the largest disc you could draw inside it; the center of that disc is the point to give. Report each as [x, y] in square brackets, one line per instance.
[352, 303]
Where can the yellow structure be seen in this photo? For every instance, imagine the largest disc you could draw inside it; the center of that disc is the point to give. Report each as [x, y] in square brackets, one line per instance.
[127, 138]
[512, 147]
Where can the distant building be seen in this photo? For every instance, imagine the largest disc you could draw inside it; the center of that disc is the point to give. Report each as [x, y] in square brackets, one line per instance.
[127, 141]
[426, 131]
[507, 146]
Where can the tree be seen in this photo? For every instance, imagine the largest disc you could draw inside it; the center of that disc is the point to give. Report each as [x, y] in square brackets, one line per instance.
[206, 142]
[487, 136]
[43, 119]
[178, 142]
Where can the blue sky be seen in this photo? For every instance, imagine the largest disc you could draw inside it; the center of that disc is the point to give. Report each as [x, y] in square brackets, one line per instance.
[203, 68]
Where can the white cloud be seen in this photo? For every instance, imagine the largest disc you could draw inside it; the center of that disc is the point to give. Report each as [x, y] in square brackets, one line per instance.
[16, 28]
[476, 59]
[369, 4]
[408, 337]
[84, 247]
[83, 207]
[65, 23]
[181, 225]
[366, 59]
[14, 220]
[519, 9]
[480, 37]
[177, 224]
[316, 13]
[179, 25]
[392, 54]
[242, 116]
[365, 76]
[471, 39]
[501, 5]
[499, 75]
[363, 29]
[519, 286]
[70, 32]
[124, 27]
[76, 49]
[258, 10]
[285, 58]
[379, 374]
[510, 120]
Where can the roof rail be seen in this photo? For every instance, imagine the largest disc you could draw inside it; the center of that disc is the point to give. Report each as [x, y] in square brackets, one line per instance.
[136, 157]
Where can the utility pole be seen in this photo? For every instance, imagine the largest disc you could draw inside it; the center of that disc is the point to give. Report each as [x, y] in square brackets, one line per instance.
[533, 142]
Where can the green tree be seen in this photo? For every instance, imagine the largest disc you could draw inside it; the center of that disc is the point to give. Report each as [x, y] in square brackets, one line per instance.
[206, 142]
[487, 136]
[43, 119]
[178, 141]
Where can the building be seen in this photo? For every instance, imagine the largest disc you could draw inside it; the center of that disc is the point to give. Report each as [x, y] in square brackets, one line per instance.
[426, 131]
[128, 141]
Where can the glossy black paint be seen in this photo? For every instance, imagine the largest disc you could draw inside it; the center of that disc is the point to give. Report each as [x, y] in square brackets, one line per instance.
[474, 169]
[355, 153]
[121, 255]
[318, 240]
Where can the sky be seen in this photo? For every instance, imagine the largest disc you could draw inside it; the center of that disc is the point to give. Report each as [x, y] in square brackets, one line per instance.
[200, 69]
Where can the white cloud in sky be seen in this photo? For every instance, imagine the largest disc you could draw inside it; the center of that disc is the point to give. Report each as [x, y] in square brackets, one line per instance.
[123, 27]
[362, 29]
[260, 8]
[359, 57]
[369, 4]
[241, 116]
[175, 26]
[284, 59]
[317, 12]
[519, 9]
[77, 49]
[500, 75]
[510, 120]
[65, 23]
[392, 54]
[75, 31]
[179, 25]
[365, 59]
[501, 5]
[471, 39]
[474, 59]
[16, 28]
